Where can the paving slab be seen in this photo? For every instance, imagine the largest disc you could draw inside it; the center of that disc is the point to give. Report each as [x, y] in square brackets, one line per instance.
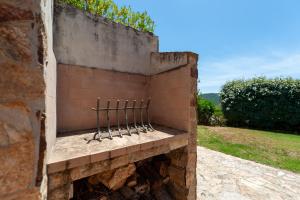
[76, 150]
[224, 177]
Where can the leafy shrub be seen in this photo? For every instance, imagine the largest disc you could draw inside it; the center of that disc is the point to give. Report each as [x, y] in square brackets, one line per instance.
[218, 111]
[262, 103]
[110, 10]
[205, 110]
[217, 119]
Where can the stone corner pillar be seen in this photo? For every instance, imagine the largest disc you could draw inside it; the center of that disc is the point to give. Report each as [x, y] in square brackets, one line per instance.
[23, 60]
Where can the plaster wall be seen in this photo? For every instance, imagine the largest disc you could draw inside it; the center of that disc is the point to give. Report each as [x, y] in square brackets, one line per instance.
[79, 87]
[169, 92]
[78, 90]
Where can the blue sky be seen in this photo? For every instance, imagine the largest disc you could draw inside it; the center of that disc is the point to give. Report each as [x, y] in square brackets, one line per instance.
[234, 38]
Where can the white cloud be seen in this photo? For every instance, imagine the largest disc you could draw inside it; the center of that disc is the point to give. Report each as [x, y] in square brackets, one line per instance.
[214, 73]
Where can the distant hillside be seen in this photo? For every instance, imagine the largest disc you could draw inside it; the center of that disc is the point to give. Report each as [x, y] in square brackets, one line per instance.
[213, 97]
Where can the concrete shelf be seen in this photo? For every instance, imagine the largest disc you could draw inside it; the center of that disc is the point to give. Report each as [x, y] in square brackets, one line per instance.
[75, 150]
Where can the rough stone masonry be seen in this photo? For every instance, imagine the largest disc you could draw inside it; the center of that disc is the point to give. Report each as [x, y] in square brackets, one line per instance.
[26, 66]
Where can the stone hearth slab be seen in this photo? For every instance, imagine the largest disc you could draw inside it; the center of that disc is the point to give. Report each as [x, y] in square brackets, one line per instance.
[75, 150]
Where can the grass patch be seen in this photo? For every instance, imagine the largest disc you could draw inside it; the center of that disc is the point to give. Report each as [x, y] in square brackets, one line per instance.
[279, 150]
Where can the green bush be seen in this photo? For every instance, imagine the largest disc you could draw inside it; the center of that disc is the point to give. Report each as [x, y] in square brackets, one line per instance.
[262, 103]
[110, 10]
[218, 111]
[217, 119]
[205, 111]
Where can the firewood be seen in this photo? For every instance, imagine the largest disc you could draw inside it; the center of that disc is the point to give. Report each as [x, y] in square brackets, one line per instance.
[142, 189]
[143, 185]
[161, 167]
[132, 181]
[166, 180]
[116, 196]
[93, 180]
[156, 182]
[149, 173]
[128, 193]
[143, 162]
[146, 197]
[116, 179]
[161, 194]
[103, 198]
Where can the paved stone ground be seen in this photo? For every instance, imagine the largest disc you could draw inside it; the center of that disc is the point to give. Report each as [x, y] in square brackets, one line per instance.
[224, 177]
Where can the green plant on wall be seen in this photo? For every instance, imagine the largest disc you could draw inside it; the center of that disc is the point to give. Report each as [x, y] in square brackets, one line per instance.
[109, 9]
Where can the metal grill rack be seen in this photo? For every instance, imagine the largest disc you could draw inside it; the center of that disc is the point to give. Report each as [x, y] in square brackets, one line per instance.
[134, 108]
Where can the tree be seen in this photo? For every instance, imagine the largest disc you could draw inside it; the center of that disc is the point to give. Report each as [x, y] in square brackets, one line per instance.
[109, 9]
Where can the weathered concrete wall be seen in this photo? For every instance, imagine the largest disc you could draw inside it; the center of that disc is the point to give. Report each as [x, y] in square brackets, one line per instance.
[81, 39]
[23, 78]
[164, 61]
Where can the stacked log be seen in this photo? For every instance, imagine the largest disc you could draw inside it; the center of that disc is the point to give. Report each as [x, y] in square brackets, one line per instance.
[144, 180]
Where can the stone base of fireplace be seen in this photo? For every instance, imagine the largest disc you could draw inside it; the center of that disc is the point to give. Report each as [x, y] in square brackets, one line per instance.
[144, 180]
[74, 157]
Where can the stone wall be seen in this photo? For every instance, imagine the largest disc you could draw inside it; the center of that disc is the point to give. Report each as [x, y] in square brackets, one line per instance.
[23, 112]
[85, 40]
[191, 181]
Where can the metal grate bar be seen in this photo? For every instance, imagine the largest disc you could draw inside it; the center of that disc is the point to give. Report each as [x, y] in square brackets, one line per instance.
[142, 126]
[126, 117]
[118, 119]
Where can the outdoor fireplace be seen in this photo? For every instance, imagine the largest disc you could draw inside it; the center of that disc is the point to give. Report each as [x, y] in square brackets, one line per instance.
[126, 125]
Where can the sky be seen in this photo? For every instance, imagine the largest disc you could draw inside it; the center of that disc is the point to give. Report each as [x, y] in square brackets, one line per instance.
[234, 38]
